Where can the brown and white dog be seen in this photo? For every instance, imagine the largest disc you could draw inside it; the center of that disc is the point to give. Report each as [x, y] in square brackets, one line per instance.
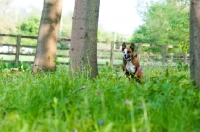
[131, 65]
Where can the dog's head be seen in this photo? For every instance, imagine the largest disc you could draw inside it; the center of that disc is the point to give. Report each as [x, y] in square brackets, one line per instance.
[128, 52]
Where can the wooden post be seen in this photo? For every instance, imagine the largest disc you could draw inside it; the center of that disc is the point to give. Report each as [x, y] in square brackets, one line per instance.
[172, 58]
[112, 54]
[139, 51]
[164, 48]
[185, 57]
[17, 50]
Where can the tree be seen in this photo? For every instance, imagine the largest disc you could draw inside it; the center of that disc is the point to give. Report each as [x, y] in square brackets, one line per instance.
[164, 23]
[83, 50]
[47, 37]
[195, 41]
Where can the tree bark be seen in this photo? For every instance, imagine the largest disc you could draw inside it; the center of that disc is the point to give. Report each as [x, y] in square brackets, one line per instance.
[195, 41]
[83, 49]
[47, 36]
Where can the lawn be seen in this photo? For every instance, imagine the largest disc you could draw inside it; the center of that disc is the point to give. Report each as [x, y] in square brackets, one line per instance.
[54, 102]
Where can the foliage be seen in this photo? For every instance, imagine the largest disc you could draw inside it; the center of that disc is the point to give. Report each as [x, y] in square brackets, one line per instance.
[166, 101]
[30, 26]
[66, 25]
[29, 22]
[165, 23]
[110, 36]
[1, 64]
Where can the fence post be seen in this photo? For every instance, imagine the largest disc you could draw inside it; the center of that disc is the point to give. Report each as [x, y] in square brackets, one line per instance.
[185, 57]
[139, 51]
[112, 54]
[164, 48]
[17, 50]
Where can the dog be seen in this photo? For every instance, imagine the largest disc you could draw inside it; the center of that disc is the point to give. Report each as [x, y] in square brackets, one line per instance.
[131, 65]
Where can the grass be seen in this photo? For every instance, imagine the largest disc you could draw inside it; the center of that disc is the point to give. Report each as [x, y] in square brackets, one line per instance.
[54, 102]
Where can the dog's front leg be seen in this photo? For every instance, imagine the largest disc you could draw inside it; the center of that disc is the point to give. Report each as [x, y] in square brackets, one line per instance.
[124, 68]
[124, 65]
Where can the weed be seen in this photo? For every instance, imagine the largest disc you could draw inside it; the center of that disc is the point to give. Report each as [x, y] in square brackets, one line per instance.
[167, 101]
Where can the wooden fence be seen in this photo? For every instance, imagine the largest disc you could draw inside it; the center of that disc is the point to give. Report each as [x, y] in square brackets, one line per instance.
[108, 52]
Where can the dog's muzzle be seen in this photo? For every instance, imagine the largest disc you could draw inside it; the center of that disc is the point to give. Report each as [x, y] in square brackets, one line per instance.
[127, 57]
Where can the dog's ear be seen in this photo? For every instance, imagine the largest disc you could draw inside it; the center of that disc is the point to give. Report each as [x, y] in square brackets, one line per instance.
[123, 46]
[135, 55]
[132, 46]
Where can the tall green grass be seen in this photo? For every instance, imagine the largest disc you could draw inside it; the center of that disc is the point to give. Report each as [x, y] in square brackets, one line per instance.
[53, 102]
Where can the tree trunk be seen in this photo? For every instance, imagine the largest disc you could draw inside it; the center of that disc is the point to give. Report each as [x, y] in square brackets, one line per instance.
[83, 50]
[195, 41]
[47, 37]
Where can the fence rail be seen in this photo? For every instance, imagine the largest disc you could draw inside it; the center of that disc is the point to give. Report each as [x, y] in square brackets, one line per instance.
[108, 52]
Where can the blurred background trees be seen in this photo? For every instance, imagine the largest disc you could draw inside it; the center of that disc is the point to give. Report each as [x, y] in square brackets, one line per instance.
[165, 22]
[26, 22]
[8, 17]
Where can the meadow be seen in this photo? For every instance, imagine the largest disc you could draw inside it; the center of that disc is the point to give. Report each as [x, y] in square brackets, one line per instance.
[54, 102]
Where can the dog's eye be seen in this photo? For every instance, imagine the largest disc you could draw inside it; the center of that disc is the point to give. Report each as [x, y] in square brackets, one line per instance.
[128, 52]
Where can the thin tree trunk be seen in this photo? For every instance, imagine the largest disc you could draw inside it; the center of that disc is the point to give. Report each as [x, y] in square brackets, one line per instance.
[47, 37]
[93, 14]
[83, 50]
[195, 41]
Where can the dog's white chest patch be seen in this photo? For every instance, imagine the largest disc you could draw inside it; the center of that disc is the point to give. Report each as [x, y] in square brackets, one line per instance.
[130, 67]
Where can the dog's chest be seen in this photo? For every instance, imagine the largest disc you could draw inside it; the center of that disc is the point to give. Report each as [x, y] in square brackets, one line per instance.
[130, 67]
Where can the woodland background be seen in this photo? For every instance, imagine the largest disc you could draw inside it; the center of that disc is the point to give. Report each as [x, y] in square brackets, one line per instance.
[163, 23]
